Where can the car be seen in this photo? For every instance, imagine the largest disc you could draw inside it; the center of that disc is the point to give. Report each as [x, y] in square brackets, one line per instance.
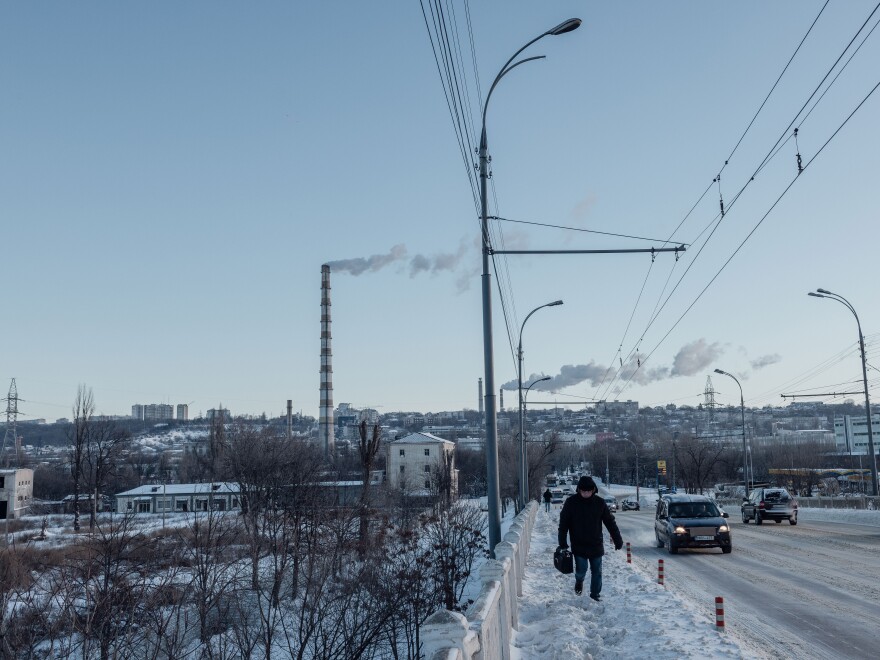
[769, 504]
[690, 521]
[630, 504]
[611, 501]
[556, 496]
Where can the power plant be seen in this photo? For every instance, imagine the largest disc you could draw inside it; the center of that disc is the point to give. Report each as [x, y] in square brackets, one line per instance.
[326, 431]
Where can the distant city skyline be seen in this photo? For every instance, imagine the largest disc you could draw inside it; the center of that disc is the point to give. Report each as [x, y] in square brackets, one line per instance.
[175, 176]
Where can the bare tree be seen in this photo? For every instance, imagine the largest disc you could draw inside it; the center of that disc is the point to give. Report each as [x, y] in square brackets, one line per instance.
[455, 538]
[78, 435]
[104, 442]
[368, 448]
[538, 457]
[698, 460]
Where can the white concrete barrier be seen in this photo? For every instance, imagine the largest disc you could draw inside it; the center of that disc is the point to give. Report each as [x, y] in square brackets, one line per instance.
[484, 633]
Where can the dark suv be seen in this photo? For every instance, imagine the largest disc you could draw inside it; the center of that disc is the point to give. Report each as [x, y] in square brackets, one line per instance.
[690, 521]
[769, 504]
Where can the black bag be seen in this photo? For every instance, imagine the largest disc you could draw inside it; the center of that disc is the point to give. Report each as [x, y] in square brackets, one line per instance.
[563, 560]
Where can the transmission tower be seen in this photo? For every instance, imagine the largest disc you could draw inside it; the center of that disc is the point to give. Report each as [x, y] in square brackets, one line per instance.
[11, 421]
[709, 398]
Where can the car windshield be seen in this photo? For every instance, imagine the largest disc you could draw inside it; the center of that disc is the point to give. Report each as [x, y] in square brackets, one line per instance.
[693, 510]
[776, 495]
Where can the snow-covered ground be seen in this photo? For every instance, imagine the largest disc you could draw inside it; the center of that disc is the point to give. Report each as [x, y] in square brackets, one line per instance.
[637, 618]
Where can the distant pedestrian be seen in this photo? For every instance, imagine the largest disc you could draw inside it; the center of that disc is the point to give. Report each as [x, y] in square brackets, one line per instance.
[548, 496]
[581, 518]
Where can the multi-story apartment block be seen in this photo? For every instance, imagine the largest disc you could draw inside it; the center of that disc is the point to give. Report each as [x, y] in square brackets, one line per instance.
[416, 462]
[158, 412]
[137, 411]
[182, 412]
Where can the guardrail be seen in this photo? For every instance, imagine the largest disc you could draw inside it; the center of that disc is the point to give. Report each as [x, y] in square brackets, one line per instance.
[484, 633]
[858, 502]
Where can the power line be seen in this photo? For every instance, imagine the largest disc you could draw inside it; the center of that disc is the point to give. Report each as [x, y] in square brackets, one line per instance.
[761, 221]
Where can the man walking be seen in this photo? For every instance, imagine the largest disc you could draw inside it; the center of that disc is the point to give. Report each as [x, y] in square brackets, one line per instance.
[547, 497]
[581, 518]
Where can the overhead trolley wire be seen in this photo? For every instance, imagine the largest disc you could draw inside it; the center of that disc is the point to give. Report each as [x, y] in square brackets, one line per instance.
[717, 180]
[770, 155]
[761, 221]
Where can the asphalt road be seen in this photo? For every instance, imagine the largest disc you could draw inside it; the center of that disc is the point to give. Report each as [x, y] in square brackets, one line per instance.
[805, 591]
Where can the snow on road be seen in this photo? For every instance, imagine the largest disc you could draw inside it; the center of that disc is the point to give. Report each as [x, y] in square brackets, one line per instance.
[637, 618]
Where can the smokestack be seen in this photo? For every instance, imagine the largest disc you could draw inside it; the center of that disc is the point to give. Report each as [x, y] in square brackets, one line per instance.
[289, 418]
[502, 400]
[326, 434]
[480, 394]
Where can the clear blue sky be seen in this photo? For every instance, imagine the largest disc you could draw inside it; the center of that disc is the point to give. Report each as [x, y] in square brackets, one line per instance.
[173, 175]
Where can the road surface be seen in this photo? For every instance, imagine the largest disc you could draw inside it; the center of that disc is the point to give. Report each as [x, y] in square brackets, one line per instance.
[805, 591]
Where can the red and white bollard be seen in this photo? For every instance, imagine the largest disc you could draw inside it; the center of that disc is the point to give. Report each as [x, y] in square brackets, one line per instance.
[719, 613]
[660, 576]
[629, 557]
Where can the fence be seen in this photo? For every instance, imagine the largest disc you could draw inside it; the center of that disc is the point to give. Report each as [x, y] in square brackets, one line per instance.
[485, 632]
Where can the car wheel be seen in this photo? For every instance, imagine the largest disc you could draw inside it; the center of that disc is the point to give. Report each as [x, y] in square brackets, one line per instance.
[758, 519]
[726, 549]
[673, 550]
[745, 518]
[793, 520]
[660, 543]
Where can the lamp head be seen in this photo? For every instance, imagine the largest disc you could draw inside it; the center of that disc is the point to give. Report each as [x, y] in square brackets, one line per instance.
[718, 371]
[543, 379]
[822, 291]
[565, 26]
[815, 295]
[554, 303]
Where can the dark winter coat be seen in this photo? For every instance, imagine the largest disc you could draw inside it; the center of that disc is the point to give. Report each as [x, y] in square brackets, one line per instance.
[582, 518]
[548, 495]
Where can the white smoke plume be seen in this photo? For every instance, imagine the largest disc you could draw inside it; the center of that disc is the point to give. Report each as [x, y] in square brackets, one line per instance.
[690, 359]
[420, 263]
[437, 262]
[695, 357]
[765, 361]
[361, 265]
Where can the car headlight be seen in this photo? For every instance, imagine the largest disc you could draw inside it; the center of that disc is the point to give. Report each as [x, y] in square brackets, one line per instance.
[724, 528]
[680, 530]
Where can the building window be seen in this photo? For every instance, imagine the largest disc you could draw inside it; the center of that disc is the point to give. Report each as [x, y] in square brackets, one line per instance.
[403, 452]
[402, 468]
[427, 452]
[427, 484]
[427, 468]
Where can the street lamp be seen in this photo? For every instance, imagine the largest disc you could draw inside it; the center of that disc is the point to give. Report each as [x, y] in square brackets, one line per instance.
[742, 406]
[523, 473]
[822, 293]
[494, 499]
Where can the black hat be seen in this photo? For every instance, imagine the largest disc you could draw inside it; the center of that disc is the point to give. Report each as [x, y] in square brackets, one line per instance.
[587, 483]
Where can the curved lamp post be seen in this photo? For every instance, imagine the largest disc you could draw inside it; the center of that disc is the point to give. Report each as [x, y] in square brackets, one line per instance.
[742, 407]
[822, 293]
[488, 359]
[523, 472]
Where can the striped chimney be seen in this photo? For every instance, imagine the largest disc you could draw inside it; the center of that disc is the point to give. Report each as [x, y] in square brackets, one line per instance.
[326, 434]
